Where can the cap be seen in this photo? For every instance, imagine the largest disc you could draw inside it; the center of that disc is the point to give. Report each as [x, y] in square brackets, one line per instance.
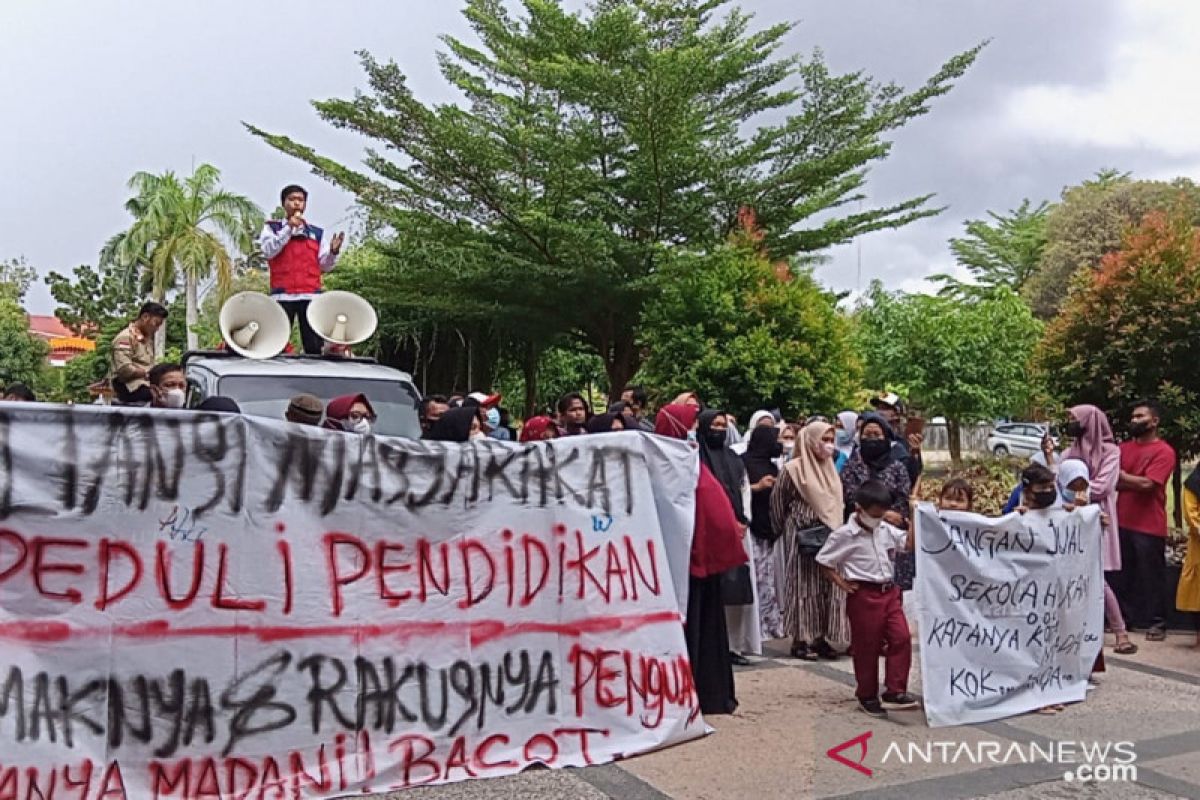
[888, 399]
[306, 408]
[485, 400]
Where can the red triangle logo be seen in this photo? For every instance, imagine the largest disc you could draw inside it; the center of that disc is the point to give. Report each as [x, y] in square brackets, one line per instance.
[861, 740]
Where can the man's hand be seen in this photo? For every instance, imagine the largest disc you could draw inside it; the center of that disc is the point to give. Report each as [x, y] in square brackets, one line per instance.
[296, 221]
[335, 245]
[849, 587]
[914, 442]
[1047, 445]
[894, 517]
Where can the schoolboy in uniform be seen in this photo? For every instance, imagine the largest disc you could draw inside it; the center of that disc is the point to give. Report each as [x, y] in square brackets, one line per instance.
[858, 558]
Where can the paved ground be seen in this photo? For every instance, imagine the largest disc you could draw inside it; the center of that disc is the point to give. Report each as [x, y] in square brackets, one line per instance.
[792, 712]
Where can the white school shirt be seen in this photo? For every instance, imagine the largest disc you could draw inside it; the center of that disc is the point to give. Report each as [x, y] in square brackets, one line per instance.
[860, 555]
[272, 243]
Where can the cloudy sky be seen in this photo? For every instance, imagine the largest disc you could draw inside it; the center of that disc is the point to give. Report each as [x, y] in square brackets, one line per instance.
[93, 92]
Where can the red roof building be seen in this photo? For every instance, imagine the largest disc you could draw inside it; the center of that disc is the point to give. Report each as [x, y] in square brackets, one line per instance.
[64, 345]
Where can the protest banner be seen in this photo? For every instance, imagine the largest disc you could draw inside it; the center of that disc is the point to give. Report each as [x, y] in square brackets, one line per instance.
[202, 605]
[1011, 611]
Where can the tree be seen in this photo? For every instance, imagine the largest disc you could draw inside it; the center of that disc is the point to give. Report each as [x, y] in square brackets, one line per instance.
[1003, 252]
[1089, 223]
[186, 228]
[93, 297]
[16, 276]
[22, 355]
[589, 145]
[728, 327]
[965, 360]
[1129, 330]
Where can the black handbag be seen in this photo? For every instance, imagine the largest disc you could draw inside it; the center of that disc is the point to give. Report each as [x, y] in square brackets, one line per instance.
[736, 589]
[809, 541]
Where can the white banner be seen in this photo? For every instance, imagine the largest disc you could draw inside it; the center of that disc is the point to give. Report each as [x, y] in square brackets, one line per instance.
[1011, 611]
[199, 605]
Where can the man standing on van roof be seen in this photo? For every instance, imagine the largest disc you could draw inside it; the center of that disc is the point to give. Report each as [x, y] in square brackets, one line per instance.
[294, 251]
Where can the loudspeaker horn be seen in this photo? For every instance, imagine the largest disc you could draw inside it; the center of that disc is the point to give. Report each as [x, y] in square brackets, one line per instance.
[254, 325]
[342, 317]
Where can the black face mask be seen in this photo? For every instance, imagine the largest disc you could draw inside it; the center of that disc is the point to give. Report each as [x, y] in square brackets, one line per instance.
[1139, 429]
[1074, 429]
[874, 449]
[1043, 499]
[715, 439]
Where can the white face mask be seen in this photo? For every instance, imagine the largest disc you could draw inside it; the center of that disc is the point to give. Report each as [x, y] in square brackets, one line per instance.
[362, 426]
[827, 450]
[869, 522]
[174, 398]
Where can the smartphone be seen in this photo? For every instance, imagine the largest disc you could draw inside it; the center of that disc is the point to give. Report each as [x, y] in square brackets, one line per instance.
[915, 426]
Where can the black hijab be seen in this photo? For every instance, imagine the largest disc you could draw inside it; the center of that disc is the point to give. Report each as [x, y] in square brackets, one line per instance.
[454, 425]
[761, 451]
[882, 462]
[603, 423]
[723, 462]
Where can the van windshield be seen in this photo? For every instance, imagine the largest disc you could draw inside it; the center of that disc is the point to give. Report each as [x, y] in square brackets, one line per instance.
[395, 402]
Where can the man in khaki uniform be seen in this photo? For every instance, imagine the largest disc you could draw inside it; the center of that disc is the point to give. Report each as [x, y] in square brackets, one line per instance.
[133, 356]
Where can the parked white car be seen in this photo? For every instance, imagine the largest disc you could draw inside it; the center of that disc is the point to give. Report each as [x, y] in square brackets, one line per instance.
[1022, 439]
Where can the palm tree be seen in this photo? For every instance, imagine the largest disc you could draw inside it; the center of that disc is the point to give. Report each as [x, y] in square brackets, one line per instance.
[184, 228]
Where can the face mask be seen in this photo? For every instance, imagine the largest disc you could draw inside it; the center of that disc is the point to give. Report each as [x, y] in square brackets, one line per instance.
[844, 438]
[493, 418]
[873, 449]
[827, 451]
[691, 438]
[777, 450]
[362, 426]
[1139, 429]
[1074, 429]
[788, 447]
[1043, 499]
[1068, 496]
[174, 398]
[715, 439]
[869, 522]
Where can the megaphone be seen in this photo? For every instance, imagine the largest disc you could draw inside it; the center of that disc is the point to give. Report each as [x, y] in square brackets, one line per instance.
[254, 325]
[342, 317]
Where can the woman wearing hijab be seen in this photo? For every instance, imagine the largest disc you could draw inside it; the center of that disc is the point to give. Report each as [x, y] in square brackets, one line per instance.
[876, 459]
[808, 494]
[1187, 597]
[762, 470]
[606, 423]
[758, 418]
[351, 413]
[847, 427]
[741, 592]
[456, 425]
[716, 549]
[1094, 445]
[537, 429]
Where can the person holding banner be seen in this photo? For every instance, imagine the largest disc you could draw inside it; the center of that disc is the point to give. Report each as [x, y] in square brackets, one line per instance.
[1095, 445]
[716, 548]
[857, 557]
[805, 506]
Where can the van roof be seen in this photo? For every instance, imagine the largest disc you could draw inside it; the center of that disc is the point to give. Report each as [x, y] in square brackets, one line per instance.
[222, 364]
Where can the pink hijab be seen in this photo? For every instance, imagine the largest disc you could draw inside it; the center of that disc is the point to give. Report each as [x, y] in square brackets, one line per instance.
[1097, 442]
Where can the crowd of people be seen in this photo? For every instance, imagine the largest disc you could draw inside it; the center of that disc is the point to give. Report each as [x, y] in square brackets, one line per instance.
[803, 529]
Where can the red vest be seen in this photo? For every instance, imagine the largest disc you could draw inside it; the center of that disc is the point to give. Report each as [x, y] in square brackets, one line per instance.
[297, 268]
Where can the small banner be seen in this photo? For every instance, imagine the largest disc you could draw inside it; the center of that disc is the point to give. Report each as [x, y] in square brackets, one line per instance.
[1011, 611]
[200, 605]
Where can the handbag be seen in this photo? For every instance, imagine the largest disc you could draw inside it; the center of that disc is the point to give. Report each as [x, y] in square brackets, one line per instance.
[809, 541]
[736, 589]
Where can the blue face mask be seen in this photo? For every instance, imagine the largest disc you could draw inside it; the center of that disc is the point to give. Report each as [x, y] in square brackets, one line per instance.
[844, 438]
[1068, 496]
[691, 437]
[493, 418]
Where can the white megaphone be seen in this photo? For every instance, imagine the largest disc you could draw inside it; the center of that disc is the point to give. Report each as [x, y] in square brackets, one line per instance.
[342, 317]
[254, 325]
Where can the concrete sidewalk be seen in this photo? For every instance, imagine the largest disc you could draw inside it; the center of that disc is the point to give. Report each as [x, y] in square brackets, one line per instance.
[792, 712]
